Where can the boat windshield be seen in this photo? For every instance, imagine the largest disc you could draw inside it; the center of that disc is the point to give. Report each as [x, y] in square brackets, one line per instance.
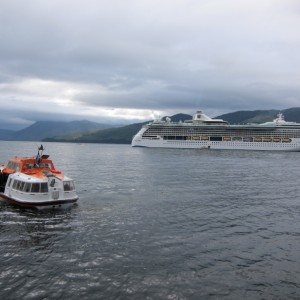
[69, 186]
[40, 166]
[13, 166]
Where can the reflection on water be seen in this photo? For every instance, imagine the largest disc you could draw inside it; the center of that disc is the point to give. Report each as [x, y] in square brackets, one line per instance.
[158, 224]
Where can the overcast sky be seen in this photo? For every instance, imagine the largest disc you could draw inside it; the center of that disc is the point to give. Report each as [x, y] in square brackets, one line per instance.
[139, 59]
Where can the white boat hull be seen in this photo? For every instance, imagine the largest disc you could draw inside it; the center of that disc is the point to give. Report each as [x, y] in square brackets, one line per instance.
[294, 145]
[40, 204]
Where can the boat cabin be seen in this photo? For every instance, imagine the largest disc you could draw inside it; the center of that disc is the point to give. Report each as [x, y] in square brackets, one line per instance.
[34, 182]
[19, 164]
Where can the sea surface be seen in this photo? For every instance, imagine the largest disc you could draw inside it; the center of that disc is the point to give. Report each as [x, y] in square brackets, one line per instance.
[157, 224]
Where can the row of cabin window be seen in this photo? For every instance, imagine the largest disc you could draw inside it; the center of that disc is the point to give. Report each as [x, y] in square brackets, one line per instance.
[37, 187]
[28, 187]
[16, 166]
[41, 166]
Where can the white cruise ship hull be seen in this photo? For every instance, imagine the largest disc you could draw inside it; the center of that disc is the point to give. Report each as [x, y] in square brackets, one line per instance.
[294, 145]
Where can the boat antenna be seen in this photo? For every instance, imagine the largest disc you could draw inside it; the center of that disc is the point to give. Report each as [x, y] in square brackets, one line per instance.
[38, 158]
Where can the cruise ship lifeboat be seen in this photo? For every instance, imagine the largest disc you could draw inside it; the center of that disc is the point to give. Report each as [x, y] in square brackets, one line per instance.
[35, 183]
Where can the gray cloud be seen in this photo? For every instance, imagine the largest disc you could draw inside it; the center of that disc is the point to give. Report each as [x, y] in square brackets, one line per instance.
[109, 59]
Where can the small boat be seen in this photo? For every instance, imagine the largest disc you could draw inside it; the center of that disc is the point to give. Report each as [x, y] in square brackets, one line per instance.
[257, 139]
[248, 139]
[33, 182]
[286, 140]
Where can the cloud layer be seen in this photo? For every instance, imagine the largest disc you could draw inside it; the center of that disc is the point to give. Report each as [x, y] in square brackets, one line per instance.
[128, 59]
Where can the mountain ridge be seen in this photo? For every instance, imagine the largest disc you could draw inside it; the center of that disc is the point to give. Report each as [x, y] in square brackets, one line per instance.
[90, 132]
[123, 135]
[46, 129]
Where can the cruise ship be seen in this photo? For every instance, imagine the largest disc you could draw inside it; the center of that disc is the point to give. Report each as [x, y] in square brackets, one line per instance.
[203, 132]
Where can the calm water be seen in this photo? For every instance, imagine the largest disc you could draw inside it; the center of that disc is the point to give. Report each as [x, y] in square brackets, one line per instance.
[158, 224]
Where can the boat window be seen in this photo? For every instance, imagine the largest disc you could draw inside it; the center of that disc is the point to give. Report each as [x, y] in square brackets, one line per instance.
[13, 166]
[22, 183]
[44, 187]
[14, 184]
[29, 166]
[69, 186]
[18, 185]
[35, 188]
[9, 165]
[27, 187]
[9, 182]
[45, 166]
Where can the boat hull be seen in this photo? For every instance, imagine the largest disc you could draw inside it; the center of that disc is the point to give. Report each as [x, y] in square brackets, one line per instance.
[41, 205]
[294, 145]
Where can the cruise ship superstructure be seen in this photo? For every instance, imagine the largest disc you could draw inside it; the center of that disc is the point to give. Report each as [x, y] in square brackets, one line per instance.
[203, 132]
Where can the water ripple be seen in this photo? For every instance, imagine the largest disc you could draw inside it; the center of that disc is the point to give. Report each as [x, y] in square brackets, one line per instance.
[159, 224]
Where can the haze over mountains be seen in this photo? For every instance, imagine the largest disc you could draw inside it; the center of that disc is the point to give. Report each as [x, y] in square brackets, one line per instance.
[91, 132]
[44, 129]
